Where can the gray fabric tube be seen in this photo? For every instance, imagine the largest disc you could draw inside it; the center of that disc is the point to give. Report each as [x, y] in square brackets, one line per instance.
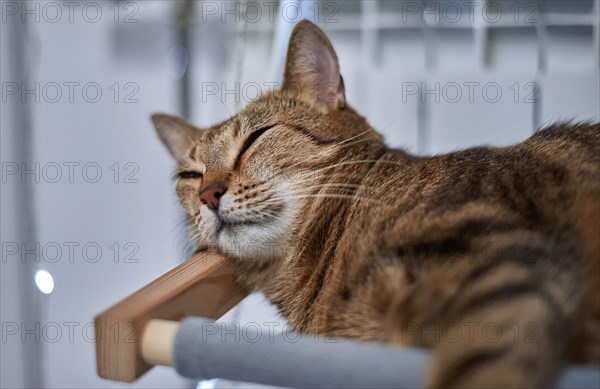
[205, 350]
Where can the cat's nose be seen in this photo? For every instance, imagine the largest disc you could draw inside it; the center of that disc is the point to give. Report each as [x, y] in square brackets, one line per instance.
[211, 194]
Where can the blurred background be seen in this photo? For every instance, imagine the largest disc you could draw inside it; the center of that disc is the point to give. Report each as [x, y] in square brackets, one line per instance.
[88, 211]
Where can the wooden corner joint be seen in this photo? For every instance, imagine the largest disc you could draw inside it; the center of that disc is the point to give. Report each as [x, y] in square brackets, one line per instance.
[128, 344]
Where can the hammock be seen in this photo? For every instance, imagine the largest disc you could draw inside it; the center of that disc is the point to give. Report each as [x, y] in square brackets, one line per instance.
[143, 330]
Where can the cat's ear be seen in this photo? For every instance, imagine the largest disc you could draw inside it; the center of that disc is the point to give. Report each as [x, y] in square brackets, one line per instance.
[176, 133]
[312, 71]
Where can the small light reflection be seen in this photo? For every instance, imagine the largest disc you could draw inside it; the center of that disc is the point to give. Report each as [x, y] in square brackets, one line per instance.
[44, 281]
[207, 384]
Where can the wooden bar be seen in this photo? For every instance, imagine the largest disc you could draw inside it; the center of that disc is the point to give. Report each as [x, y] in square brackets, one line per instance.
[202, 286]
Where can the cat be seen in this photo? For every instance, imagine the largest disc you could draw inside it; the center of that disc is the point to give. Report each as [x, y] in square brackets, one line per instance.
[489, 256]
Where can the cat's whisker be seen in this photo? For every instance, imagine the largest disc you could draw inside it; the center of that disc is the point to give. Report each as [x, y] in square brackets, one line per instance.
[186, 219]
[308, 159]
[331, 185]
[343, 144]
[325, 191]
[365, 161]
[317, 186]
[354, 143]
[316, 189]
[268, 215]
[338, 196]
[321, 195]
[313, 172]
[303, 175]
[356, 136]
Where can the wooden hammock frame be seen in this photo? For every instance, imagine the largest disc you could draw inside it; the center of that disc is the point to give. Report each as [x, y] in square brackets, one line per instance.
[137, 333]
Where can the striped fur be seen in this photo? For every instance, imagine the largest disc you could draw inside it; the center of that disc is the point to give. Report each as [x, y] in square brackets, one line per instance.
[490, 256]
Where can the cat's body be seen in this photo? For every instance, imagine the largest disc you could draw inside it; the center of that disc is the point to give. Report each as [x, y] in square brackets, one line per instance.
[491, 256]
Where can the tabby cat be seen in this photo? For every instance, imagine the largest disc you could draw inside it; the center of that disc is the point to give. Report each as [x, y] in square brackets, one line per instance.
[348, 237]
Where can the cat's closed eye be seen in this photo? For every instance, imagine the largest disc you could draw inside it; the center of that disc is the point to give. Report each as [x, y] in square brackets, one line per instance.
[189, 175]
[251, 139]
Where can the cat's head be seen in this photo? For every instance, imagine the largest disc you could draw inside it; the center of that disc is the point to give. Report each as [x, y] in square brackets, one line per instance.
[247, 183]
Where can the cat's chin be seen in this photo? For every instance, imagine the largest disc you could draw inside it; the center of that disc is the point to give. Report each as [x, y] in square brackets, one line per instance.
[251, 241]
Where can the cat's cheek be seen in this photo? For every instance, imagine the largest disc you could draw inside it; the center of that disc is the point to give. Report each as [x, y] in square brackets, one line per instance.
[189, 207]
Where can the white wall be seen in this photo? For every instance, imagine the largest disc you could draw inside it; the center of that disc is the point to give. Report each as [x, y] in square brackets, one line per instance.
[136, 209]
